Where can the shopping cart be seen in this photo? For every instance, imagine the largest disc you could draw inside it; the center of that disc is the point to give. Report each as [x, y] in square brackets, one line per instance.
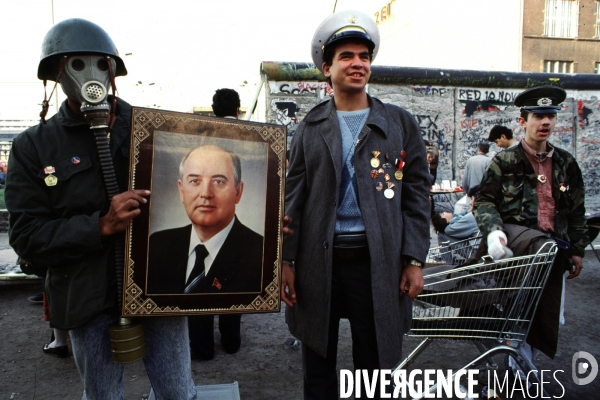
[490, 304]
[454, 253]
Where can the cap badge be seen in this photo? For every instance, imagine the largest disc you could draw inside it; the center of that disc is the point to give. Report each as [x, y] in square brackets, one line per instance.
[353, 19]
[544, 101]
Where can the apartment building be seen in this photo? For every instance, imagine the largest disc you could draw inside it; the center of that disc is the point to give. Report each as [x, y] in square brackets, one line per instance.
[561, 36]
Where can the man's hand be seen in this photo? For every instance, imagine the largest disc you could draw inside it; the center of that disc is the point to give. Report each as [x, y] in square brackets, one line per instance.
[123, 208]
[577, 267]
[411, 281]
[287, 282]
[287, 220]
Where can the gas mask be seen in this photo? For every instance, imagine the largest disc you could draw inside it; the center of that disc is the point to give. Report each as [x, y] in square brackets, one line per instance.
[86, 78]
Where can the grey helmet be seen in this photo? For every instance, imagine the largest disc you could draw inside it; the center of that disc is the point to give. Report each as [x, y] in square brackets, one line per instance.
[74, 36]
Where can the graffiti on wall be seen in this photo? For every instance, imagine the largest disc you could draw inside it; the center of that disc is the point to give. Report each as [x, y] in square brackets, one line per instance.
[285, 112]
[436, 129]
[430, 130]
[478, 110]
[301, 88]
[588, 148]
[489, 95]
[583, 112]
[431, 90]
[457, 118]
[478, 100]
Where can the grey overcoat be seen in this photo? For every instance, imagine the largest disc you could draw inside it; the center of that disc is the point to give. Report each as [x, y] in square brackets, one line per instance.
[396, 228]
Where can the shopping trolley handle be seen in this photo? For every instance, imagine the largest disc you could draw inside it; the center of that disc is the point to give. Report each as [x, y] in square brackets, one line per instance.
[487, 259]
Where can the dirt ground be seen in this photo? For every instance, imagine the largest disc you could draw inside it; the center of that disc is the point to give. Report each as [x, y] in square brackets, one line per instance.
[264, 368]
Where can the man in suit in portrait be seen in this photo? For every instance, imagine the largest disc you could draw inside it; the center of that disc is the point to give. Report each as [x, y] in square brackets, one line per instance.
[216, 253]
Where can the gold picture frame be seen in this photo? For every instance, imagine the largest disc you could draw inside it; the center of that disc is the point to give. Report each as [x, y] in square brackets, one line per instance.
[153, 265]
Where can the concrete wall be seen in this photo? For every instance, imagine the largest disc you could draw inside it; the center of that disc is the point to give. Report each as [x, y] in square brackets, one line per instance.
[456, 117]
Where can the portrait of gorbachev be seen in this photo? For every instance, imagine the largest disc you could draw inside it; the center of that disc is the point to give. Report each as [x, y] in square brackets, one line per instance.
[207, 215]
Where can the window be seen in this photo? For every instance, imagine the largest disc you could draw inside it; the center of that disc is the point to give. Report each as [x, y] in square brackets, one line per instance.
[562, 18]
[597, 68]
[562, 67]
[598, 19]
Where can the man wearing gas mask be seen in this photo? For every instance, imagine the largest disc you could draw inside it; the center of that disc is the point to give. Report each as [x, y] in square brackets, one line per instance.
[62, 174]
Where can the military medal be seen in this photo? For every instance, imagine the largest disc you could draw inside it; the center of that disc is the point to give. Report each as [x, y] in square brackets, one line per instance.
[374, 174]
[50, 180]
[387, 177]
[75, 160]
[217, 284]
[379, 186]
[399, 165]
[375, 160]
[389, 193]
[541, 177]
[381, 170]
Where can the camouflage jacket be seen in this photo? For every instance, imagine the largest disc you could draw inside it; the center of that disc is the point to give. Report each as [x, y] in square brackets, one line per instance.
[508, 195]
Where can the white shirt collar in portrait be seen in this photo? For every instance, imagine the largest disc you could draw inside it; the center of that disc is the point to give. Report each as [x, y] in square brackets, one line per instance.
[213, 245]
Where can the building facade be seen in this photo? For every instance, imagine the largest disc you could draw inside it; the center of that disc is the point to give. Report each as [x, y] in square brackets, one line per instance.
[561, 36]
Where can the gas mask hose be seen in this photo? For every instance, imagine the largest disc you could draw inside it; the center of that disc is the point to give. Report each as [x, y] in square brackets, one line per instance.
[127, 339]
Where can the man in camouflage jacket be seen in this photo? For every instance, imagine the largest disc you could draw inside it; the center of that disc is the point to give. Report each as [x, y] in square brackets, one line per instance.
[510, 193]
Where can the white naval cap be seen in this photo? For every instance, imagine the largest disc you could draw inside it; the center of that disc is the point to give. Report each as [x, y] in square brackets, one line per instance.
[343, 25]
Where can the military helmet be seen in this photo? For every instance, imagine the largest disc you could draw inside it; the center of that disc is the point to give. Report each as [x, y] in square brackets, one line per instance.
[73, 36]
[348, 24]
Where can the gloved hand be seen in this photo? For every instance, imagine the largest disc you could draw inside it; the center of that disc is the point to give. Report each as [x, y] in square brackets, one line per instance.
[496, 243]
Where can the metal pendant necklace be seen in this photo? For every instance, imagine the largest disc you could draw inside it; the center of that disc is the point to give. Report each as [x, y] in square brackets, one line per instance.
[541, 177]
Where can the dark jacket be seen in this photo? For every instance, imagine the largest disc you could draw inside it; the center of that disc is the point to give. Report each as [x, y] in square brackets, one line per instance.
[237, 267]
[508, 196]
[57, 226]
[396, 228]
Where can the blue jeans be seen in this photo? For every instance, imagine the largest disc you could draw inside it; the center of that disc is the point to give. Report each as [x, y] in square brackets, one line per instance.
[167, 360]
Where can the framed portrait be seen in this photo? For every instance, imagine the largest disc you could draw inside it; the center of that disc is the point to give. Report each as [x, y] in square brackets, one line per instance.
[208, 241]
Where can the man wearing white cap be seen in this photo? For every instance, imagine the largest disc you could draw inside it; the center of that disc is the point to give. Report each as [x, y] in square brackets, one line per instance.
[357, 191]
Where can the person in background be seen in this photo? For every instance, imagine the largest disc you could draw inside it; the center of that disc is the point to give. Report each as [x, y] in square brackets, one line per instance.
[475, 167]
[433, 157]
[432, 161]
[502, 137]
[226, 104]
[454, 227]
